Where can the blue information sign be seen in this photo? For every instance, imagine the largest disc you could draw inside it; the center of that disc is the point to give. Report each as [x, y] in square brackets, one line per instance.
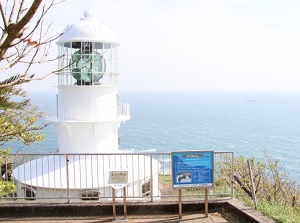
[192, 169]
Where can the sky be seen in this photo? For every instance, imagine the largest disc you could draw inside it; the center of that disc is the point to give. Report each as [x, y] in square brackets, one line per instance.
[195, 45]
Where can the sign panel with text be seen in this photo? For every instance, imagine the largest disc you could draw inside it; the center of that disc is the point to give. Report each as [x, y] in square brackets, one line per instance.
[192, 169]
[117, 178]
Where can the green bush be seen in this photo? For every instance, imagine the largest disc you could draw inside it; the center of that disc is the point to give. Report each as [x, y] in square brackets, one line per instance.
[6, 185]
[277, 196]
[278, 212]
[6, 188]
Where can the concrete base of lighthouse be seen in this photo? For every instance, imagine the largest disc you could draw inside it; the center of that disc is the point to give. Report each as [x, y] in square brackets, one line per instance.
[85, 176]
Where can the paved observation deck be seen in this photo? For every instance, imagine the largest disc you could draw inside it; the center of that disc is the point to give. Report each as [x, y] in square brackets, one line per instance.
[231, 211]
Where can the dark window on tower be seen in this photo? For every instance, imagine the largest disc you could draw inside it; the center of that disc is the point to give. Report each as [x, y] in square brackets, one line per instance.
[146, 189]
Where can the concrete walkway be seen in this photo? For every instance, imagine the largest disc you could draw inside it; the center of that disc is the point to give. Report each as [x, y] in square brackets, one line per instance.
[186, 218]
[155, 212]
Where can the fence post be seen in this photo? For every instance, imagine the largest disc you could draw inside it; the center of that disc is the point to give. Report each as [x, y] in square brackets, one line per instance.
[151, 179]
[232, 172]
[68, 186]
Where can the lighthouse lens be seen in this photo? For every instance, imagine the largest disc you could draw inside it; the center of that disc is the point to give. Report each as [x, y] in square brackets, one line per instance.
[87, 67]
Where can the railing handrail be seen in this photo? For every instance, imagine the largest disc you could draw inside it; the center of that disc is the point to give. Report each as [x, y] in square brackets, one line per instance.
[86, 171]
[118, 153]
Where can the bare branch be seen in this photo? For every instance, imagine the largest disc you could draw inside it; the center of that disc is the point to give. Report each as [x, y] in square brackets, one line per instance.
[21, 10]
[12, 13]
[13, 30]
[3, 18]
[27, 50]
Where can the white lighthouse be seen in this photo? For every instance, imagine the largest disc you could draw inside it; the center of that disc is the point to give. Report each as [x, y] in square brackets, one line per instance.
[89, 112]
[88, 118]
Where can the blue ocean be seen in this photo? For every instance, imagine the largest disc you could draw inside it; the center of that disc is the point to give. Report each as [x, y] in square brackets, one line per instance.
[248, 124]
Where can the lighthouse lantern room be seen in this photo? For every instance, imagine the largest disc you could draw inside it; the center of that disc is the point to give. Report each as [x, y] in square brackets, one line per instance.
[88, 109]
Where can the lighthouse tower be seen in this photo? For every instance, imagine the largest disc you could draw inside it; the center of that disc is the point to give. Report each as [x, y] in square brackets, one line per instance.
[89, 112]
[88, 118]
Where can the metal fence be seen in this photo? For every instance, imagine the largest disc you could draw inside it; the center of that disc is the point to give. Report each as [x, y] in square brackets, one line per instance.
[79, 177]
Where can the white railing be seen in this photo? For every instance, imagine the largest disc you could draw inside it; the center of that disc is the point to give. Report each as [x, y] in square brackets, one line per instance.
[124, 109]
[99, 112]
[74, 177]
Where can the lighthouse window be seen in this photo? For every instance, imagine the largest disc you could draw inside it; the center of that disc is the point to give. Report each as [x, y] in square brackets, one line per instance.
[146, 189]
[30, 192]
[90, 195]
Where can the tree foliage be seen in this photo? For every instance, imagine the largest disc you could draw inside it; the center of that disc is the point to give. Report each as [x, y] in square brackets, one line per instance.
[276, 193]
[271, 181]
[24, 42]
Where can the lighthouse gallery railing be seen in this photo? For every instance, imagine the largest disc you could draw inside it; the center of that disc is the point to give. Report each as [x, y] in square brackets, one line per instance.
[99, 112]
[80, 177]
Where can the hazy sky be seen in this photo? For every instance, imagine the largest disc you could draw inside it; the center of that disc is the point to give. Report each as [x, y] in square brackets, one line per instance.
[196, 45]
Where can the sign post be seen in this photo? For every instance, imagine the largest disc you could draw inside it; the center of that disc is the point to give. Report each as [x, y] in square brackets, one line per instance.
[117, 179]
[179, 204]
[192, 169]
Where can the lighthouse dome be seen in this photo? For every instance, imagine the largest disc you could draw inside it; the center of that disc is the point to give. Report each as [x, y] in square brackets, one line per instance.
[88, 29]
